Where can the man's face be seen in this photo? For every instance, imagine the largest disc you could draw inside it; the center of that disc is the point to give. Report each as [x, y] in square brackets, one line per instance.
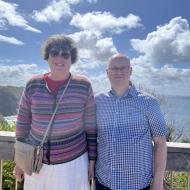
[119, 71]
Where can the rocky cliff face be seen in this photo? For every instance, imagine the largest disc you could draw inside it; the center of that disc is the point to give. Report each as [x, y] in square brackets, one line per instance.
[9, 99]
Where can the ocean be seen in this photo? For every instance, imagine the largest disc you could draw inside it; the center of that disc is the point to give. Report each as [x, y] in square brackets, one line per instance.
[176, 110]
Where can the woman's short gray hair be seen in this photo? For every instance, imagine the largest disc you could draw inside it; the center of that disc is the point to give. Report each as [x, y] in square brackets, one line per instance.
[60, 42]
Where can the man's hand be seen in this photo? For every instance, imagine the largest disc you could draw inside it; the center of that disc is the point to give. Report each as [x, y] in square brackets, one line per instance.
[160, 157]
[155, 186]
[18, 173]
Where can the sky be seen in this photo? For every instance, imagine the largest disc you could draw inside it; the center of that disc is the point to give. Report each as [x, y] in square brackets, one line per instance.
[155, 35]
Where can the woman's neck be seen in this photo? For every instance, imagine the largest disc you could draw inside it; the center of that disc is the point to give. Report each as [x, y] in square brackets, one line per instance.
[58, 77]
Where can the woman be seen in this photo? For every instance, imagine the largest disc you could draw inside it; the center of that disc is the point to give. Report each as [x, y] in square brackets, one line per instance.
[72, 139]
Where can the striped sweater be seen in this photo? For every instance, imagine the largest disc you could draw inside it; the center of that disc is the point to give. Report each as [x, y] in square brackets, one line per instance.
[74, 128]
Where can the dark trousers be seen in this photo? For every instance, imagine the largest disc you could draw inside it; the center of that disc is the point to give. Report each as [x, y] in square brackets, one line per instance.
[99, 186]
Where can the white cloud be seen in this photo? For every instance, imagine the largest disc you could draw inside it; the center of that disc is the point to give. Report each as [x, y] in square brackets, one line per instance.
[93, 46]
[17, 75]
[19, 61]
[8, 14]
[4, 61]
[10, 40]
[168, 44]
[105, 21]
[165, 80]
[100, 83]
[54, 11]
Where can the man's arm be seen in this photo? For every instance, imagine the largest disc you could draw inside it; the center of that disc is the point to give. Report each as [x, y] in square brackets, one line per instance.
[160, 158]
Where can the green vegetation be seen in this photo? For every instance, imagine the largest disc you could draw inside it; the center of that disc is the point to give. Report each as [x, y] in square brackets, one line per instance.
[8, 178]
[179, 179]
[4, 126]
[176, 180]
[8, 165]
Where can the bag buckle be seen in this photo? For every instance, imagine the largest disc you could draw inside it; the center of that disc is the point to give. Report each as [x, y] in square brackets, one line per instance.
[38, 148]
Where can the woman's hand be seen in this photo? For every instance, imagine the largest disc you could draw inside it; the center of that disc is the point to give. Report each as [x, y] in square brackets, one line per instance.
[91, 169]
[18, 173]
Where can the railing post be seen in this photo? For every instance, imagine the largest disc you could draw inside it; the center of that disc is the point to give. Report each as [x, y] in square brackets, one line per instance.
[1, 174]
[16, 183]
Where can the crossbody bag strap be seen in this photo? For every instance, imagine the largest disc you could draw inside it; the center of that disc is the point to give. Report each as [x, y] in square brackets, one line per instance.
[54, 113]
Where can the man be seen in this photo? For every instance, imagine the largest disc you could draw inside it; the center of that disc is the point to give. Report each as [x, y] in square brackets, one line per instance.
[128, 121]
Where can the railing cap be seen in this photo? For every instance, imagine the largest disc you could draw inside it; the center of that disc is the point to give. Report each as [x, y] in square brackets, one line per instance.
[178, 147]
[7, 136]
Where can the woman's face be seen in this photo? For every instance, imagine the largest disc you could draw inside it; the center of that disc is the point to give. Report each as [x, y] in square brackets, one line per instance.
[59, 62]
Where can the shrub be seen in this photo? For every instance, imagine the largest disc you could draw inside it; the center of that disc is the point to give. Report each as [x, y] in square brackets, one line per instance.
[8, 165]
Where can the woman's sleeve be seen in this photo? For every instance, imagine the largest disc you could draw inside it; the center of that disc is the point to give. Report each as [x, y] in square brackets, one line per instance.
[24, 117]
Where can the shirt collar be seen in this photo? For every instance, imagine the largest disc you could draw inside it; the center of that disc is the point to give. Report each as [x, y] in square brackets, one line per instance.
[130, 92]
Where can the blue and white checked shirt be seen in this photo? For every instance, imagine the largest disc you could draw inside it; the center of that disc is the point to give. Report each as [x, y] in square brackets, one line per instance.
[126, 126]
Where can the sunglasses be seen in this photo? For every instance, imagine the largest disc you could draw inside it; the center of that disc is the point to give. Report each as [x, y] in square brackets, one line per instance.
[56, 53]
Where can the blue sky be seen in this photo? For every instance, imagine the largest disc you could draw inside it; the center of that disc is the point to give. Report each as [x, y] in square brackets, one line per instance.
[154, 34]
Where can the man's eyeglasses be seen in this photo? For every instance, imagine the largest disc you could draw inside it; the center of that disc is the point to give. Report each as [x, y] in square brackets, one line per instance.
[55, 53]
[117, 69]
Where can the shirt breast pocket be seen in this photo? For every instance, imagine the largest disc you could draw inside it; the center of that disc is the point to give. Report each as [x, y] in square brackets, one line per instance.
[134, 125]
[136, 118]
